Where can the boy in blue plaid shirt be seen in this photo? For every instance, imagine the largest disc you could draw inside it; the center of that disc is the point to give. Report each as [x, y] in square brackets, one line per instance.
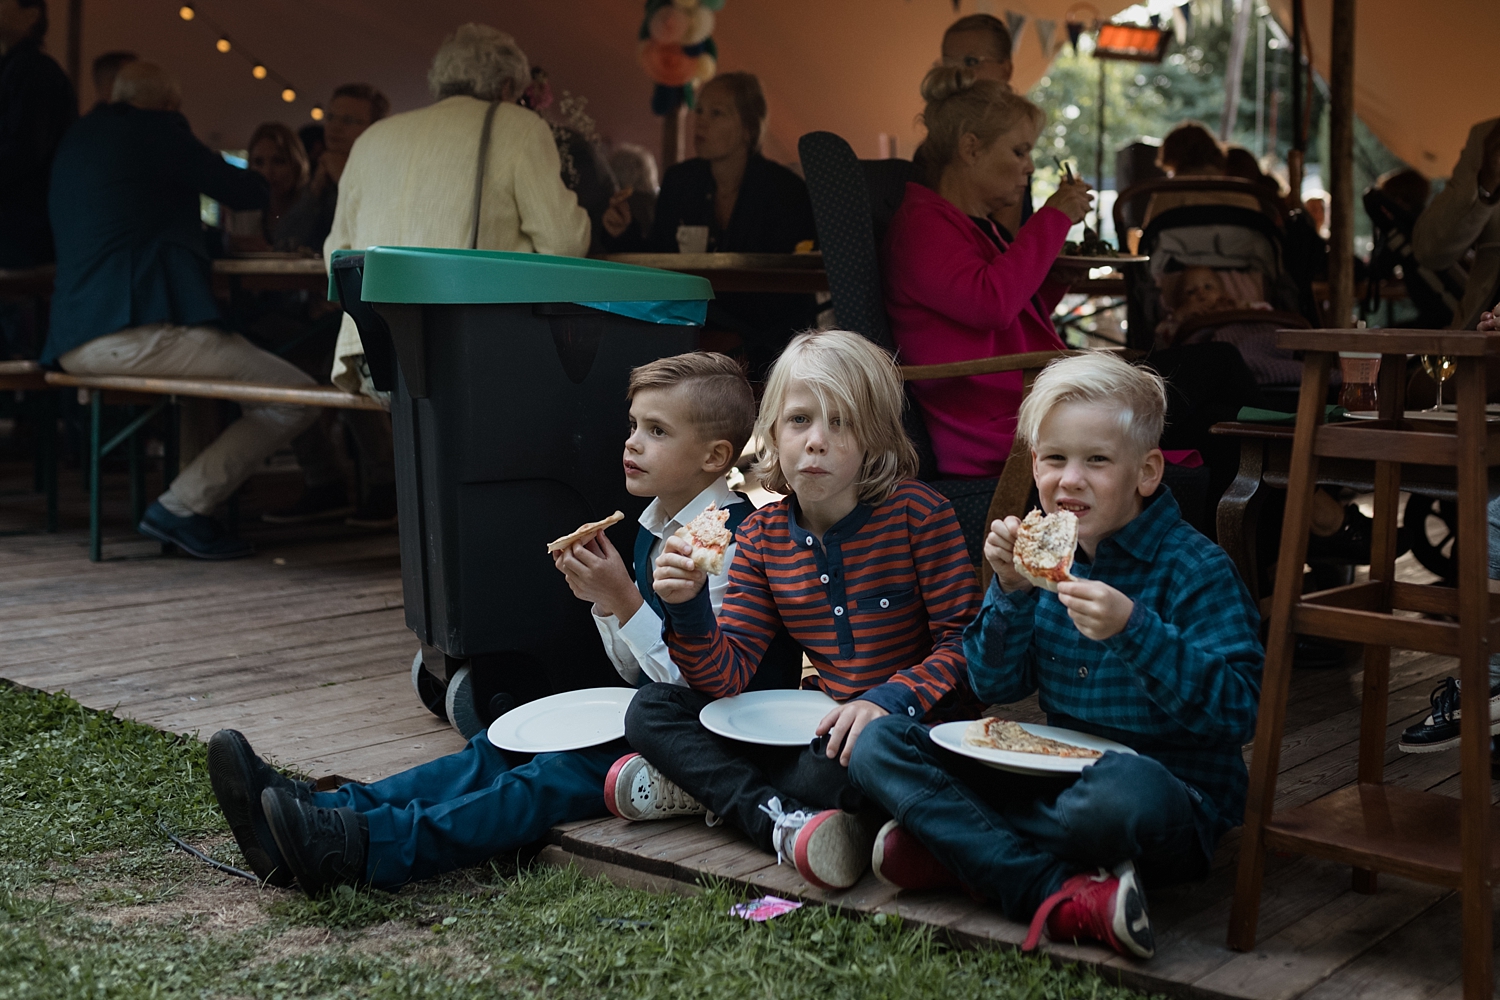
[1154, 645]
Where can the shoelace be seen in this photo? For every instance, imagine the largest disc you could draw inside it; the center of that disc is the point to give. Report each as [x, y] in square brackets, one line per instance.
[1070, 890]
[786, 826]
[668, 794]
[1445, 700]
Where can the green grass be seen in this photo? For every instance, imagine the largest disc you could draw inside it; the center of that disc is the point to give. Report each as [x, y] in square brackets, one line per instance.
[94, 903]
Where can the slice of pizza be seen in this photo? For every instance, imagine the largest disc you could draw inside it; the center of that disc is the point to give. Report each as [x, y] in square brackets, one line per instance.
[709, 538]
[1002, 734]
[584, 532]
[1044, 547]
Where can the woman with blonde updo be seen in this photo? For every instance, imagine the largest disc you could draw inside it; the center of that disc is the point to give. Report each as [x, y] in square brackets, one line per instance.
[958, 286]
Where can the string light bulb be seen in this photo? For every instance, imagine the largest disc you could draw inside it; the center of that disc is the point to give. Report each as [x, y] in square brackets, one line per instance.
[258, 71]
[317, 113]
[222, 45]
[289, 95]
[186, 12]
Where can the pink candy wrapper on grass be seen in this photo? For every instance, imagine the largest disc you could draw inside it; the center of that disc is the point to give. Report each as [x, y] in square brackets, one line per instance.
[764, 908]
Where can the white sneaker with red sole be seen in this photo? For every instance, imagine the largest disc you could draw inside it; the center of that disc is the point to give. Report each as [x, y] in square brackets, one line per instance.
[831, 849]
[635, 790]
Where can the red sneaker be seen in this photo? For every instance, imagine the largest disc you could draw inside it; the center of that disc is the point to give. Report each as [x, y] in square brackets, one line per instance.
[901, 860]
[1102, 907]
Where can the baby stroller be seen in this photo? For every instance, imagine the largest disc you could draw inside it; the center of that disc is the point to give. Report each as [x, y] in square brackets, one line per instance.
[1436, 295]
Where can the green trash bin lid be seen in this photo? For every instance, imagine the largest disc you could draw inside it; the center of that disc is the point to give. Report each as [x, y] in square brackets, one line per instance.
[436, 276]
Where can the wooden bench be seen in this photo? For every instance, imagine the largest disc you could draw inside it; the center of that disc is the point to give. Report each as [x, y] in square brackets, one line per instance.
[161, 394]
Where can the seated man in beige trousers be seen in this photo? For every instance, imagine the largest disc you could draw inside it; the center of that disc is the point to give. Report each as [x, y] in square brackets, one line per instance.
[133, 294]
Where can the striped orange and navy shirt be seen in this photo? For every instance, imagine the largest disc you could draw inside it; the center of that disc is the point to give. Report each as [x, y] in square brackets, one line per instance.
[880, 605]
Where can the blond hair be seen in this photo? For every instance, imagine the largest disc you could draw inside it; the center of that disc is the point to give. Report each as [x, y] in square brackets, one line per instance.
[1138, 395]
[146, 86]
[720, 402]
[959, 105]
[852, 375]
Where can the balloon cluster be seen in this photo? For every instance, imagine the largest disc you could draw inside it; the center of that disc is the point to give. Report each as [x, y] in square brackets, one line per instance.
[677, 49]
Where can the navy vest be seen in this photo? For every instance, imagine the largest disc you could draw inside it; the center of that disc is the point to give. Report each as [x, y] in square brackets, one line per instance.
[781, 667]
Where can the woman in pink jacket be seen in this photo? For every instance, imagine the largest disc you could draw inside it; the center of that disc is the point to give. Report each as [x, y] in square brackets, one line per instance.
[958, 286]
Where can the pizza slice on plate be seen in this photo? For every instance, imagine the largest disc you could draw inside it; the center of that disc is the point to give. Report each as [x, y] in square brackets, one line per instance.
[584, 532]
[1002, 734]
[1044, 548]
[709, 538]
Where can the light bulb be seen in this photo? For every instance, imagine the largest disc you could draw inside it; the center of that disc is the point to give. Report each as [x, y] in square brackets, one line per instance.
[186, 12]
[317, 113]
[258, 71]
[222, 45]
[289, 95]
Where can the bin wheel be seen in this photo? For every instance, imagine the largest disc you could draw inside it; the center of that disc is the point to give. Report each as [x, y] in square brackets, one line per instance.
[430, 690]
[1436, 557]
[463, 714]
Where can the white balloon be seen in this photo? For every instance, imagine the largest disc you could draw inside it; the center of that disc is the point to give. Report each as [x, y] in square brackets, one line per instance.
[700, 27]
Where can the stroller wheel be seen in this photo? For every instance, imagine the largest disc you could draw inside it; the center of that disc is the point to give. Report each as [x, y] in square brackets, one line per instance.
[431, 691]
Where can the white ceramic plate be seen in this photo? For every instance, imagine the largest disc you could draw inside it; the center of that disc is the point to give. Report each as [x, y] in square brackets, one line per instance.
[950, 736]
[770, 718]
[568, 721]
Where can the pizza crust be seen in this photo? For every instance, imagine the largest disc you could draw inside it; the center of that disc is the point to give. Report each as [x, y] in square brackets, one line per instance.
[1045, 546]
[584, 533]
[1002, 734]
[709, 538]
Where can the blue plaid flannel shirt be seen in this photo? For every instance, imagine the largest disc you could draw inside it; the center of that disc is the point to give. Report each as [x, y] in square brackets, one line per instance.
[1180, 683]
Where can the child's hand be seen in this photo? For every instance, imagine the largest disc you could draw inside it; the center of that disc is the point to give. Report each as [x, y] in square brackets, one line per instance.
[844, 724]
[1000, 552]
[1098, 609]
[596, 573]
[676, 579]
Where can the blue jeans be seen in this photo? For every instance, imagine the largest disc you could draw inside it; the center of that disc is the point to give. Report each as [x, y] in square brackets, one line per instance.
[1013, 839]
[465, 808]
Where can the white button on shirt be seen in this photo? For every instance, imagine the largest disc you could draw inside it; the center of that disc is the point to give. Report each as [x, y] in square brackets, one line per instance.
[885, 602]
[823, 578]
[837, 610]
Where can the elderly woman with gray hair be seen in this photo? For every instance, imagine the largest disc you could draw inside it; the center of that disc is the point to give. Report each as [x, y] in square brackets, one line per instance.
[410, 177]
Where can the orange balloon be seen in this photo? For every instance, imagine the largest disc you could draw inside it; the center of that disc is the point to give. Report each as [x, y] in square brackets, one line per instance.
[668, 65]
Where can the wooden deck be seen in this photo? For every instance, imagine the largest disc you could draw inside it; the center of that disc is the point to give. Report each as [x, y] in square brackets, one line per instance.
[304, 649]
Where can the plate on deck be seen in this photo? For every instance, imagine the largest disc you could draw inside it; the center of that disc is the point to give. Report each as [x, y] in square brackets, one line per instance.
[568, 721]
[770, 718]
[1078, 261]
[950, 736]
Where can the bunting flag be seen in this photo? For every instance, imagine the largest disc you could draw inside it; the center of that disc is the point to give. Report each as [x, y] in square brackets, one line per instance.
[1180, 17]
[1046, 32]
[1075, 31]
[984, 7]
[1015, 22]
[955, 5]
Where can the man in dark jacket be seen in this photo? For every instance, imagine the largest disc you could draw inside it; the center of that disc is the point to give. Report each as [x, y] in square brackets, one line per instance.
[133, 293]
[37, 105]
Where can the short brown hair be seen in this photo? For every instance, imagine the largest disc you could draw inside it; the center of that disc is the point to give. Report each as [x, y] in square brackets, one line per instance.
[284, 139]
[380, 105]
[985, 22]
[721, 404]
[1190, 148]
[853, 374]
[749, 101]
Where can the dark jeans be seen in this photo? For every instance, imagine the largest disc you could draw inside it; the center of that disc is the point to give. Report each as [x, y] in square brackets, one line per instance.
[1014, 838]
[730, 778]
[467, 807]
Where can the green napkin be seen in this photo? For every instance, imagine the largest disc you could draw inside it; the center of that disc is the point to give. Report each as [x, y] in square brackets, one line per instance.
[1255, 415]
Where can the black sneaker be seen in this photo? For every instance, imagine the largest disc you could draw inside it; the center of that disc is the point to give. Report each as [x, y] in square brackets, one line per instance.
[320, 503]
[198, 536]
[238, 777]
[323, 847]
[1439, 730]
[377, 510]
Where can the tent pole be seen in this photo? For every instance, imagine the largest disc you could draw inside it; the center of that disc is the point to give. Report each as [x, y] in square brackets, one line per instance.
[1260, 86]
[1297, 154]
[1099, 157]
[1233, 79]
[1341, 166]
[75, 45]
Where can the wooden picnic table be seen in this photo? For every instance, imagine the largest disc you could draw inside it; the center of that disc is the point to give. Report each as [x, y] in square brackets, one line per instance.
[270, 273]
[740, 272]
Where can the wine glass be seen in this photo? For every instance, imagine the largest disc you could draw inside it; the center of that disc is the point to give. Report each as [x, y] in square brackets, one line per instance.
[1439, 368]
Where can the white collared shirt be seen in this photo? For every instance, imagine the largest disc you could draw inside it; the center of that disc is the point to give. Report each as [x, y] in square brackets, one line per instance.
[636, 647]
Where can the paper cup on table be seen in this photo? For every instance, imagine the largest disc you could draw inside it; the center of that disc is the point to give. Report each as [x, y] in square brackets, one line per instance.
[692, 239]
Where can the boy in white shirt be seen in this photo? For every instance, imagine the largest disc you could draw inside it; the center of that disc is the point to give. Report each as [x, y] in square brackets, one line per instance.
[690, 417]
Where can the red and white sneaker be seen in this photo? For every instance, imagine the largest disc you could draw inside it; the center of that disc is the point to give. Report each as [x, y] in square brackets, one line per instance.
[830, 849]
[1102, 907]
[635, 790]
[901, 860]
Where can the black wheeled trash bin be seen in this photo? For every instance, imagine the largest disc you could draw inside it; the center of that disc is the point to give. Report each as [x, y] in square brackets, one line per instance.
[507, 374]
